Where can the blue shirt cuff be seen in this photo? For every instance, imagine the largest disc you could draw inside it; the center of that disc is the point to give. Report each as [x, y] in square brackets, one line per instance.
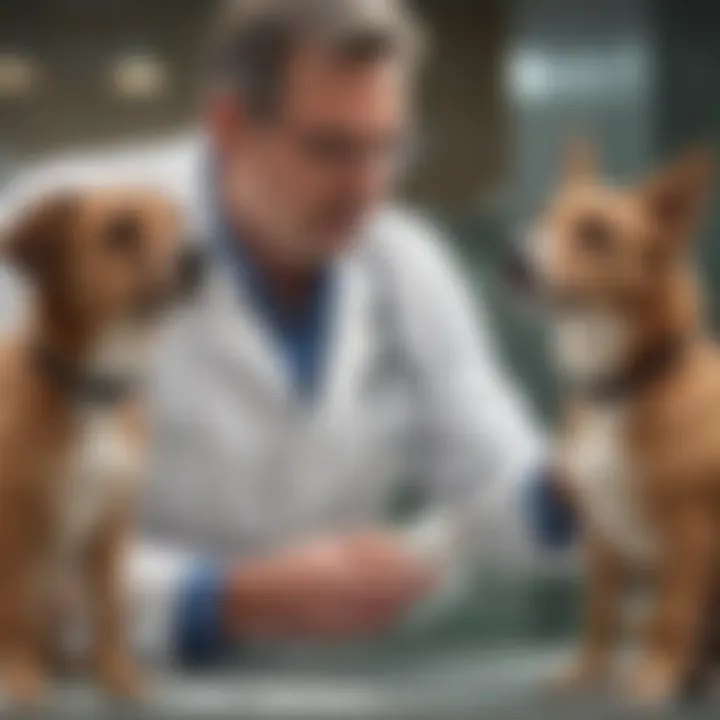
[200, 640]
[551, 518]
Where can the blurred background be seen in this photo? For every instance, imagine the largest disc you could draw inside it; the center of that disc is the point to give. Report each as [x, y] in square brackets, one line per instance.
[508, 79]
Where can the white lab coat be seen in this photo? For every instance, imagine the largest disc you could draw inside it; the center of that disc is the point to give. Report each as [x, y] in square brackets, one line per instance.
[412, 389]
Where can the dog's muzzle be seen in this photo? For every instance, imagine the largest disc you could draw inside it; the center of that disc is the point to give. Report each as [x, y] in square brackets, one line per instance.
[182, 285]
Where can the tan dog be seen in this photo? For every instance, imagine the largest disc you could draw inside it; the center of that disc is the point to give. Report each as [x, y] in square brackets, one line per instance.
[640, 452]
[102, 265]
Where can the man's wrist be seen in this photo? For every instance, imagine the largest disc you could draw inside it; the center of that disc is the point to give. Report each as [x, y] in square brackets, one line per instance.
[245, 602]
[550, 515]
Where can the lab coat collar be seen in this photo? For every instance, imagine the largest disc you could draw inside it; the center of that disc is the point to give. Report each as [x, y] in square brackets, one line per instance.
[240, 336]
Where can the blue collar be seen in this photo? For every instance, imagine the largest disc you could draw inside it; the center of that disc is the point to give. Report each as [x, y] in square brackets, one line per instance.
[302, 336]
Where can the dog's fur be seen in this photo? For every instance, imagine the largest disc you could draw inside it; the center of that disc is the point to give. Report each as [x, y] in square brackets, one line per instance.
[643, 468]
[101, 264]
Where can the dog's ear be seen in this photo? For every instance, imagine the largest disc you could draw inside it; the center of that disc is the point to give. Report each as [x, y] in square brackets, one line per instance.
[676, 195]
[35, 236]
[579, 160]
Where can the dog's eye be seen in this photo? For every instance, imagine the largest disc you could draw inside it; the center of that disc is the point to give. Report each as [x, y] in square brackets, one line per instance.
[123, 234]
[594, 234]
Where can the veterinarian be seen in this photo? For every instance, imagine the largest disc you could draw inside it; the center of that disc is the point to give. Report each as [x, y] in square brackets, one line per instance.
[334, 356]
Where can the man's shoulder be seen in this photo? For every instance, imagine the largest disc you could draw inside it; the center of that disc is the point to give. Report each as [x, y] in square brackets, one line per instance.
[412, 246]
[166, 165]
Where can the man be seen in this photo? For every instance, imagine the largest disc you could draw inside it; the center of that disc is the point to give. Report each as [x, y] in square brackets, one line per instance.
[333, 355]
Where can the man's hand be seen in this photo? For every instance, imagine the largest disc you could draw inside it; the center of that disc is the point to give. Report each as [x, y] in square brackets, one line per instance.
[347, 587]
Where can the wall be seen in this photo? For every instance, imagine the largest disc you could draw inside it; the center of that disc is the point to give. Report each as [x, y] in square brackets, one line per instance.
[689, 108]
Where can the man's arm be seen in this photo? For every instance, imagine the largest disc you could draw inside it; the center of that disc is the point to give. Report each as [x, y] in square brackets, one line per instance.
[485, 457]
[196, 612]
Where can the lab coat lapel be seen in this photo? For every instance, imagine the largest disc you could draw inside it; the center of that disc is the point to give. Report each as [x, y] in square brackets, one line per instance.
[239, 334]
[235, 329]
[350, 339]
[325, 444]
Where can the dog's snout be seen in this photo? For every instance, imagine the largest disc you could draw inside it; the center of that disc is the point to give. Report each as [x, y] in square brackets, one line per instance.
[191, 270]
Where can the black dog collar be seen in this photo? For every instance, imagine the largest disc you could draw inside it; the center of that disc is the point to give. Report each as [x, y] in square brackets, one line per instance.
[649, 367]
[88, 388]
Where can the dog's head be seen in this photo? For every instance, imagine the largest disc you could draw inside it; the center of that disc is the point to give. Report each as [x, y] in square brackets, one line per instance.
[598, 246]
[103, 256]
[611, 263]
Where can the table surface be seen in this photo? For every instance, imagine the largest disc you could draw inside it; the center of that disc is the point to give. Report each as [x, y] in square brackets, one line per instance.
[504, 684]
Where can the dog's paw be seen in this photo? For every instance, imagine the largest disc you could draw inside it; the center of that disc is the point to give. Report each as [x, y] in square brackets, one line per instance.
[24, 685]
[657, 682]
[121, 679]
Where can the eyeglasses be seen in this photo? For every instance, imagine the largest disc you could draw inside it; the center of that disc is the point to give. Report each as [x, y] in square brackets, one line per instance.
[340, 149]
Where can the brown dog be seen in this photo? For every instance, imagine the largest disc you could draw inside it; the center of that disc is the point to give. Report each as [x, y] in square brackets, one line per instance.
[640, 452]
[102, 266]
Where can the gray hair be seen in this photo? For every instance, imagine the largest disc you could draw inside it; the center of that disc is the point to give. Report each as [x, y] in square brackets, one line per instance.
[253, 40]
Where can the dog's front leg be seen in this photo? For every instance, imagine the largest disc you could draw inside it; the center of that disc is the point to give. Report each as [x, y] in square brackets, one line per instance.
[685, 578]
[22, 669]
[606, 575]
[113, 664]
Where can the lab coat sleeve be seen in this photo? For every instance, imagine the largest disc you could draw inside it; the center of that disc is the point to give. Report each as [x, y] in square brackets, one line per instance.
[481, 447]
[155, 577]
[35, 182]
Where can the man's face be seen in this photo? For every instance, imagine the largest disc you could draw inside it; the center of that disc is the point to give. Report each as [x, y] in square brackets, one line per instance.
[310, 173]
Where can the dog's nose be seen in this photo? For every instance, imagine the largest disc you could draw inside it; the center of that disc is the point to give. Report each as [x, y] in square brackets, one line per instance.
[191, 269]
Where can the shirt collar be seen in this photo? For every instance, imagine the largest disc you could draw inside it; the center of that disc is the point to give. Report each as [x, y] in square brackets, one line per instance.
[250, 278]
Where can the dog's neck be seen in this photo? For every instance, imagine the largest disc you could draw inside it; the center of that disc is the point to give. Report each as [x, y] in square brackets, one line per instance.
[607, 355]
[91, 363]
[590, 344]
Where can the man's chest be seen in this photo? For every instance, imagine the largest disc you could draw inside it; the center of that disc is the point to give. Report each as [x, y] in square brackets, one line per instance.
[251, 458]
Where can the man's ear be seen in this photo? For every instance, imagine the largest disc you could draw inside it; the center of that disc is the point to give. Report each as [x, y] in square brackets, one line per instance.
[579, 160]
[677, 194]
[34, 237]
